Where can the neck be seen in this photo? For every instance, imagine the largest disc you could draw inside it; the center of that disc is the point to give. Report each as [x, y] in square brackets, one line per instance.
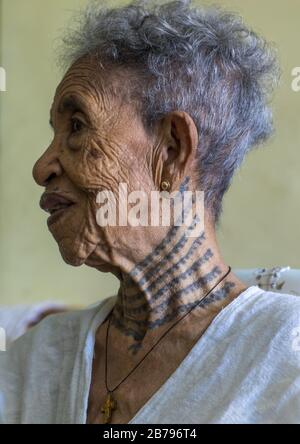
[172, 280]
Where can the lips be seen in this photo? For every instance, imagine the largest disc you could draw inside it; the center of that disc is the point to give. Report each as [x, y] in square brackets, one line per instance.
[55, 204]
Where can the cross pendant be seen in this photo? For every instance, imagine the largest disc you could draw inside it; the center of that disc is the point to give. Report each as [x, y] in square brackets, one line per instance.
[109, 406]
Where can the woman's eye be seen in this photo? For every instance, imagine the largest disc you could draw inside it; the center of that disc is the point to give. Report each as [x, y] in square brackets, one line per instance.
[76, 126]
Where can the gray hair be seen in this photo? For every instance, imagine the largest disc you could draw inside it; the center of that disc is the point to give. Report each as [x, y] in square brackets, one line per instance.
[201, 60]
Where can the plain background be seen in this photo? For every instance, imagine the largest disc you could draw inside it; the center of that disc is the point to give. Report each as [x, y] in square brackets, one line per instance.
[260, 224]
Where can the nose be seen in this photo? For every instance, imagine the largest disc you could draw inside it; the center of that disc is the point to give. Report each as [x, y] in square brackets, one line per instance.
[47, 167]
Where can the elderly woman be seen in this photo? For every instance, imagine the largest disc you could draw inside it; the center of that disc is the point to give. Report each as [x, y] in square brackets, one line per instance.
[166, 98]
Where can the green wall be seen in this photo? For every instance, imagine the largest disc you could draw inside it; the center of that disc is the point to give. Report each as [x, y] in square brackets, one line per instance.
[260, 222]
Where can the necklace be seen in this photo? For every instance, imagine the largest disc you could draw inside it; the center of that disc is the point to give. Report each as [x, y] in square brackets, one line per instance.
[110, 405]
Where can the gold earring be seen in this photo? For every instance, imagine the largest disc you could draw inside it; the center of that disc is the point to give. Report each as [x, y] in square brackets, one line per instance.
[165, 185]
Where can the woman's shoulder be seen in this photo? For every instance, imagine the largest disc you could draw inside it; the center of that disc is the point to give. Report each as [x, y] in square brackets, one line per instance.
[264, 320]
[34, 364]
[56, 333]
[57, 329]
[257, 307]
[263, 304]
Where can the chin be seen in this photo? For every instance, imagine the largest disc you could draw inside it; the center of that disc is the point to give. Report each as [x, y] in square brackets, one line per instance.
[71, 258]
[74, 253]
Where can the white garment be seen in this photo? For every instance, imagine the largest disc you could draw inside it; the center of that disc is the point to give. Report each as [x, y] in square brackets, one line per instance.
[244, 369]
[15, 320]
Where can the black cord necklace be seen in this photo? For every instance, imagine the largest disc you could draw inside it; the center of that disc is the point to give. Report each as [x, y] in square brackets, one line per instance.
[110, 404]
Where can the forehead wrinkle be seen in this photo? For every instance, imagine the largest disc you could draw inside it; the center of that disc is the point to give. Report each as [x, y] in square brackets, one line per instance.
[82, 88]
[86, 72]
[96, 93]
[101, 80]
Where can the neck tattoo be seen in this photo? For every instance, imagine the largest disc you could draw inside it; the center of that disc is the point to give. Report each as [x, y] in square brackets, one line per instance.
[167, 284]
[181, 274]
[110, 404]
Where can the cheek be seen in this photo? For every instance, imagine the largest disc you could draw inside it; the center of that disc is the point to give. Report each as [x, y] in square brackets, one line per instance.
[78, 234]
[91, 169]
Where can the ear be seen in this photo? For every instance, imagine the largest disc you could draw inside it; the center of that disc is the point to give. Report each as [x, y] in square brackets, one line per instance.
[179, 147]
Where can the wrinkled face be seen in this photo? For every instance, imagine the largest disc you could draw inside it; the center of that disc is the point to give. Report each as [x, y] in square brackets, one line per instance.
[97, 144]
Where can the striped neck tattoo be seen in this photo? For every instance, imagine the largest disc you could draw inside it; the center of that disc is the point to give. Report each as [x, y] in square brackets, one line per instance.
[167, 284]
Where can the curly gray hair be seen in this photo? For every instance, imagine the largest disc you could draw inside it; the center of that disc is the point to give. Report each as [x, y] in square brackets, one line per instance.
[201, 60]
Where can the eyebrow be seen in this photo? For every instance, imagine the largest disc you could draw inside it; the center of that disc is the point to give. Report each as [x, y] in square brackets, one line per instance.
[69, 103]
